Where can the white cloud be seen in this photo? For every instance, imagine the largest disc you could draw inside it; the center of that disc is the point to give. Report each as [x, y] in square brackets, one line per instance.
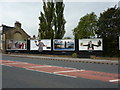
[28, 12]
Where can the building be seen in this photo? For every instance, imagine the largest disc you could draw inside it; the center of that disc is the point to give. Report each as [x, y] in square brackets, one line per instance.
[13, 33]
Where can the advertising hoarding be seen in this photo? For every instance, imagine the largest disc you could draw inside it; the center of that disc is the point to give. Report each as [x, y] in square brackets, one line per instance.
[16, 45]
[90, 44]
[46, 44]
[64, 45]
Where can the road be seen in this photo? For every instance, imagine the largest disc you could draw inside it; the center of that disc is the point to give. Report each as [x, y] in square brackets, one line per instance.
[37, 73]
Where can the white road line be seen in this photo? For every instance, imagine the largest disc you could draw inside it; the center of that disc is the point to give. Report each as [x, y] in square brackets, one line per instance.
[7, 65]
[115, 80]
[60, 66]
[39, 71]
[11, 63]
[22, 63]
[16, 63]
[52, 73]
[68, 71]
[64, 67]
[66, 75]
[39, 66]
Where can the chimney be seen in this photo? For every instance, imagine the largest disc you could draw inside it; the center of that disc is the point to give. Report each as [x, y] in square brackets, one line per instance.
[17, 24]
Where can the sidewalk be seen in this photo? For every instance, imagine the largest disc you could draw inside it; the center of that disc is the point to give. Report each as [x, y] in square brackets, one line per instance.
[97, 61]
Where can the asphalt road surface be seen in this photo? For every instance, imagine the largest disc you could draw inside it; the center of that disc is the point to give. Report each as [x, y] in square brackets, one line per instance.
[37, 73]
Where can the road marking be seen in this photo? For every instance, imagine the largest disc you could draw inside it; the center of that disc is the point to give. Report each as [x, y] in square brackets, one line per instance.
[52, 73]
[22, 63]
[115, 80]
[65, 71]
[66, 75]
[6, 65]
[39, 66]
[11, 63]
[38, 71]
[65, 67]
[68, 71]
[16, 63]
[61, 66]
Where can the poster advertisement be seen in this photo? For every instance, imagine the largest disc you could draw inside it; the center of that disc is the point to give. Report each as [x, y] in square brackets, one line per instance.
[90, 44]
[64, 45]
[34, 44]
[16, 45]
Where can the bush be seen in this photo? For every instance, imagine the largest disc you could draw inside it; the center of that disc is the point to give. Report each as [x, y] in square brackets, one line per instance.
[75, 55]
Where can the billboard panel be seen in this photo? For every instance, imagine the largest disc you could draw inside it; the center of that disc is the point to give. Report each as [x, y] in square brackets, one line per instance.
[90, 44]
[16, 45]
[46, 44]
[64, 45]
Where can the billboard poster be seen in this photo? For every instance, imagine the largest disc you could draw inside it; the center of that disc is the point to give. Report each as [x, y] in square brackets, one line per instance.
[64, 45]
[90, 44]
[16, 45]
[34, 44]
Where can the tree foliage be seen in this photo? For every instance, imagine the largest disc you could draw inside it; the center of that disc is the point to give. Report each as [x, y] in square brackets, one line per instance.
[43, 26]
[67, 38]
[46, 20]
[59, 20]
[52, 22]
[86, 27]
[109, 29]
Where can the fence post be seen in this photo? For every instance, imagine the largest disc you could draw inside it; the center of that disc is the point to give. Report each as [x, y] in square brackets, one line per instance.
[28, 46]
[77, 46]
[52, 46]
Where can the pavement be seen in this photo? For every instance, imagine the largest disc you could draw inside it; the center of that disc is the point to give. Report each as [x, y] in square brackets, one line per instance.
[81, 60]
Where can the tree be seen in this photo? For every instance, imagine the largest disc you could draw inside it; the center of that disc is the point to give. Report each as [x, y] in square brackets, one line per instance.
[109, 29]
[59, 20]
[43, 27]
[46, 20]
[52, 22]
[86, 27]
[67, 37]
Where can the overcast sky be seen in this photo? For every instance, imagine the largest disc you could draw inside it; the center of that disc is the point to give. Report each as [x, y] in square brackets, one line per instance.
[27, 13]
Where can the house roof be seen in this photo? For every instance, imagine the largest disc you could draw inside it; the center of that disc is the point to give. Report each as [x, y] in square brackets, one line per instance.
[7, 28]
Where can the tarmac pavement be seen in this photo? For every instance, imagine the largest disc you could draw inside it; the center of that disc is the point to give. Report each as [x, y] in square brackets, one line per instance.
[82, 60]
[22, 71]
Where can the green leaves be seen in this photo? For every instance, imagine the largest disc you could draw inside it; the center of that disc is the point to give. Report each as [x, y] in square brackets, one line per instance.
[86, 27]
[109, 29]
[52, 22]
[59, 20]
[46, 20]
